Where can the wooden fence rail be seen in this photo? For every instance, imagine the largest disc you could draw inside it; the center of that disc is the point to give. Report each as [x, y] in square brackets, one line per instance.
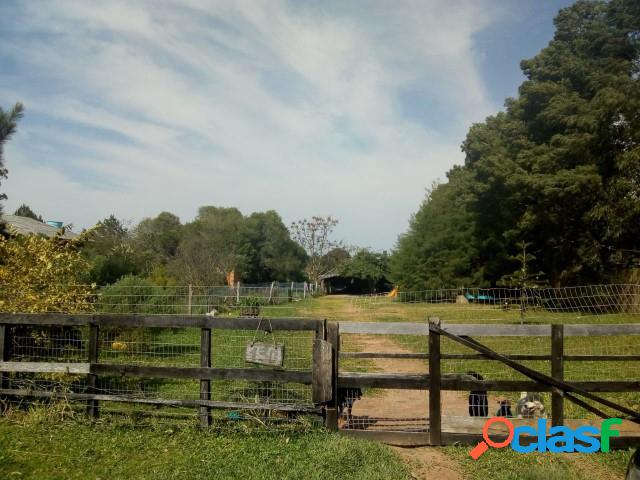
[324, 375]
[436, 382]
[319, 377]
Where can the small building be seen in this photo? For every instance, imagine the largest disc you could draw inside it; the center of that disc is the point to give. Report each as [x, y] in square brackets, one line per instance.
[29, 226]
[334, 283]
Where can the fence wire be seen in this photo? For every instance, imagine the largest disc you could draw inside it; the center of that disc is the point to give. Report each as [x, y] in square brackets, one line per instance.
[167, 347]
[616, 303]
[370, 408]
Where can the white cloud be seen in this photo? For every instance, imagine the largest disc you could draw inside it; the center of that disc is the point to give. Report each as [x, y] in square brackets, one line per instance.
[257, 104]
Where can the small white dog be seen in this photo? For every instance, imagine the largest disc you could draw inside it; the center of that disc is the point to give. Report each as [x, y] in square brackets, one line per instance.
[530, 405]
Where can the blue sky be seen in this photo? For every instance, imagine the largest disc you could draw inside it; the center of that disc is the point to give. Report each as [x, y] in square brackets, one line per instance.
[310, 108]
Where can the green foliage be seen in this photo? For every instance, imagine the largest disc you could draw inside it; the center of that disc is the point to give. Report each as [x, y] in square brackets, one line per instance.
[250, 306]
[256, 248]
[335, 257]
[218, 241]
[25, 211]
[157, 238]
[135, 295]
[213, 245]
[368, 266]
[275, 256]
[558, 170]
[109, 249]
[438, 251]
[38, 275]
[41, 274]
[252, 301]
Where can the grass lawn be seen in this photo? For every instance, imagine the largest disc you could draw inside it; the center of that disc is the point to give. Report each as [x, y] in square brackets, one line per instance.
[506, 464]
[41, 450]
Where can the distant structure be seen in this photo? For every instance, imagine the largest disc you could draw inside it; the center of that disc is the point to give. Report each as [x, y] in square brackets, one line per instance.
[336, 283]
[29, 226]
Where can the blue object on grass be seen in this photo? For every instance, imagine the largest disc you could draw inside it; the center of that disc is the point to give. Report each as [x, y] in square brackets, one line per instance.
[234, 416]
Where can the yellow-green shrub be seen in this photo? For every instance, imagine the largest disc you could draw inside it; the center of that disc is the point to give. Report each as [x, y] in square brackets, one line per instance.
[40, 274]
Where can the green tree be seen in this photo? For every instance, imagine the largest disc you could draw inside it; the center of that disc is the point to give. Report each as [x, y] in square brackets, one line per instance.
[213, 245]
[368, 266]
[439, 250]
[256, 248]
[8, 124]
[335, 258]
[157, 239]
[110, 252]
[275, 256]
[25, 211]
[559, 169]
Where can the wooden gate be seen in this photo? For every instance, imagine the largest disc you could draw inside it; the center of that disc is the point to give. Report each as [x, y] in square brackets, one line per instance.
[436, 421]
[383, 373]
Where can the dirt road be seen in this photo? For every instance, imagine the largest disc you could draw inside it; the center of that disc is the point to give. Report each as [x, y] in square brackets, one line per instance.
[424, 462]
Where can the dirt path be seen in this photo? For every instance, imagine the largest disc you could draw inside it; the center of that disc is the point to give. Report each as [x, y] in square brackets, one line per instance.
[401, 403]
[424, 462]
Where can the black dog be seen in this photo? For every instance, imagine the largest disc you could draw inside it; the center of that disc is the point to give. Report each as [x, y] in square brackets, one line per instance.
[504, 409]
[346, 398]
[478, 403]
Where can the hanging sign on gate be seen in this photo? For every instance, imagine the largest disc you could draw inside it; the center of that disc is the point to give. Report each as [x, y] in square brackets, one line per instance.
[265, 353]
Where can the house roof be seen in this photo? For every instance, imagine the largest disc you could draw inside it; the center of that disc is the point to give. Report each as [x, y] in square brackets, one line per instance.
[27, 226]
[330, 274]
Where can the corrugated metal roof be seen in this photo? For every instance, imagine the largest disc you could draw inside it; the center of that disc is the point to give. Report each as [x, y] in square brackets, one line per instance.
[27, 226]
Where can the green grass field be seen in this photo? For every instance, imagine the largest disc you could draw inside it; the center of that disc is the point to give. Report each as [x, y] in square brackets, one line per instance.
[32, 448]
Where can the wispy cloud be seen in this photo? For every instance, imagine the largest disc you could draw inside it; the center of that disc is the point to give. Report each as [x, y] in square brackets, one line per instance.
[345, 108]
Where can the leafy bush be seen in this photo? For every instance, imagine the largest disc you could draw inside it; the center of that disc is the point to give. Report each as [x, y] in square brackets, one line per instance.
[135, 295]
[250, 306]
[40, 274]
[37, 275]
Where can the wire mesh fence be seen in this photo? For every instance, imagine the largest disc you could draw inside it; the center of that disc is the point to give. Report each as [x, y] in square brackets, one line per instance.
[615, 303]
[156, 347]
[277, 299]
[368, 408]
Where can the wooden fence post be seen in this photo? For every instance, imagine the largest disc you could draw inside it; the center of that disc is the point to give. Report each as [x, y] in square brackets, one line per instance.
[557, 372]
[94, 345]
[435, 413]
[205, 385]
[333, 337]
[4, 353]
[273, 284]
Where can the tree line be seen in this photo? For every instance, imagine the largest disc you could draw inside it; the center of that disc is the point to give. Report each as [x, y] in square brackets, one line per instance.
[549, 191]
[218, 247]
